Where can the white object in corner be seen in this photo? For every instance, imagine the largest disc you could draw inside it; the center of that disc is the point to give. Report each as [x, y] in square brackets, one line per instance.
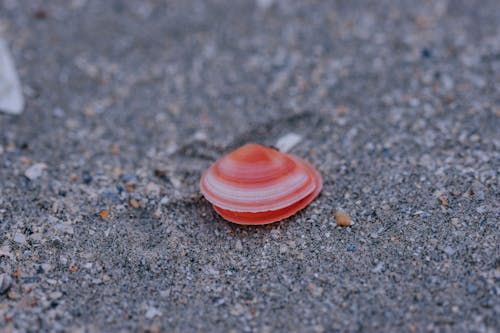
[11, 98]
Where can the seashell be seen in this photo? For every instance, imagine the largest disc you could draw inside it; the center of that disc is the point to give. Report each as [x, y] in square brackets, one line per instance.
[259, 185]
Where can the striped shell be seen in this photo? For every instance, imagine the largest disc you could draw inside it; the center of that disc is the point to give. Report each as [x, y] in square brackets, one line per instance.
[259, 185]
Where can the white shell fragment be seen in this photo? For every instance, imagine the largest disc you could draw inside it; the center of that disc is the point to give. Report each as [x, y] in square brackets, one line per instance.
[11, 98]
[35, 171]
[287, 142]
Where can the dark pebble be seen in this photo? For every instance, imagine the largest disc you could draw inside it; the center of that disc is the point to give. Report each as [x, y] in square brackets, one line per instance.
[86, 177]
[426, 53]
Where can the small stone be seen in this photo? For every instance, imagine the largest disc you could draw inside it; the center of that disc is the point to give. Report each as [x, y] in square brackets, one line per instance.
[152, 312]
[12, 295]
[87, 178]
[165, 294]
[24, 160]
[482, 209]
[287, 142]
[5, 252]
[153, 189]
[426, 53]
[55, 295]
[157, 214]
[45, 267]
[73, 268]
[65, 228]
[58, 112]
[35, 171]
[103, 214]
[176, 182]
[379, 268]
[343, 219]
[40, 14]
[200, 136]
[19, 238]
[474, 138]
[444, 201]
[134, 203]
[477, 190]
[5, 282]
[341, 110]
[237, 310]
[449, 250]
[115, 149]
[130, 188]
[315, 290]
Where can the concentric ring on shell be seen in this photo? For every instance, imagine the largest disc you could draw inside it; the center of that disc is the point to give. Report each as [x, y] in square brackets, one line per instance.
[259, 185]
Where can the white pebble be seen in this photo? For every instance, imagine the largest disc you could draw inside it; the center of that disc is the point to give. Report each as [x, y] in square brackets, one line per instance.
[35, 171]
[19, 238]
[152, 312]
[287, 142]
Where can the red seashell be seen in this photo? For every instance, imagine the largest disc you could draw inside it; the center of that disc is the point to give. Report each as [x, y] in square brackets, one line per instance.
[259, 185]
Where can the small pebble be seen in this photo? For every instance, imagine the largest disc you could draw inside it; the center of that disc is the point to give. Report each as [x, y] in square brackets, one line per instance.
[426, 53]
[343, 219]
[115, 149]
[86, 177]
[315, 290]
[379, 268]
[55, 295]
[5, 282]
[134, 203]
[152, 312]
[35, 171]
[65, 228]
[449, 250]
[287, 142]
[153, 189]
[103, 214]
[19, 238]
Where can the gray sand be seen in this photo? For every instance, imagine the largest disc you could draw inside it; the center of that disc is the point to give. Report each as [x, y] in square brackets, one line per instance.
[128, 102]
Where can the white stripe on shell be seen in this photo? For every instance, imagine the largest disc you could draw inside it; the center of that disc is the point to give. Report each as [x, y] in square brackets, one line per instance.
[229, 195]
